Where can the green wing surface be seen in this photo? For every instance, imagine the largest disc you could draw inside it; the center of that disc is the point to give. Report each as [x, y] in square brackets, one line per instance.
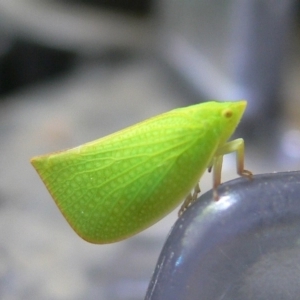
[116, 186]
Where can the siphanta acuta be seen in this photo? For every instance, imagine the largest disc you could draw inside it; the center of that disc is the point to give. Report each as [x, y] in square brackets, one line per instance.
[118, 185]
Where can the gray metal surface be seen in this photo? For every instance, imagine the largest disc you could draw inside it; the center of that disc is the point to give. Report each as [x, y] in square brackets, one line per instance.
[245, 246]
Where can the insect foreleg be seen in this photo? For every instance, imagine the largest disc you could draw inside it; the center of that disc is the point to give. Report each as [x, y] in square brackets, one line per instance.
[232, 146]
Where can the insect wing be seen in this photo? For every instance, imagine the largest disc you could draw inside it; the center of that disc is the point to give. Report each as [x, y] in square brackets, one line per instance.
[119, 185]
[114, 187]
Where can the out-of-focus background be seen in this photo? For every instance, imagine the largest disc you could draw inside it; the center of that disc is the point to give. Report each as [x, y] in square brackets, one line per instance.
[72, 71]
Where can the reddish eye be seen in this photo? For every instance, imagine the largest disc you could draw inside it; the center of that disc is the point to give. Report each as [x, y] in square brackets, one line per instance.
[227, 113]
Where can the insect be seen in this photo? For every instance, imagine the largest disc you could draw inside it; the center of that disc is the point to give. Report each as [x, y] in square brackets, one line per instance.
[114, 187]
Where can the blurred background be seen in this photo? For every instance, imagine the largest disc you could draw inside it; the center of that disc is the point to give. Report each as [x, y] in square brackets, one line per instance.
[72, 71]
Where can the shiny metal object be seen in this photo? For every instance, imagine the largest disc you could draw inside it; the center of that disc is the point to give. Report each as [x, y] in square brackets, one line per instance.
[245, 246]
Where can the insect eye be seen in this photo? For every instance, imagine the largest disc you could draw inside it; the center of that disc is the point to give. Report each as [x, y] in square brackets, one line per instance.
[227, 113]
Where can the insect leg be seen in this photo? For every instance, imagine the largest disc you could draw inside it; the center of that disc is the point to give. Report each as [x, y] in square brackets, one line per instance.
[238, 147]
[209, 168]
[185, 204]
[189, 199]
[232, 146]
[217, 170]
[196, 192]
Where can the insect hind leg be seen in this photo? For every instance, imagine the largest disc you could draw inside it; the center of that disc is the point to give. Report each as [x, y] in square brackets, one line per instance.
[191, 198]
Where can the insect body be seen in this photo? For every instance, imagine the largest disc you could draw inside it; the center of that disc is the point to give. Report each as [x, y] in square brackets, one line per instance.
[116, 186]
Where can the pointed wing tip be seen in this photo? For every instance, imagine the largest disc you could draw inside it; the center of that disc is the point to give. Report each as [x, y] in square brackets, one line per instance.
[35, 161]
[39, 162]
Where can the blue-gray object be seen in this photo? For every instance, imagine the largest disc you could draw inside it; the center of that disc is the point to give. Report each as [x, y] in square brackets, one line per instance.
[244, 246]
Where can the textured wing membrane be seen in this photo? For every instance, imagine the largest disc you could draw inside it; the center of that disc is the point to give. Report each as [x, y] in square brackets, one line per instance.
[114, 187]
[128, 177]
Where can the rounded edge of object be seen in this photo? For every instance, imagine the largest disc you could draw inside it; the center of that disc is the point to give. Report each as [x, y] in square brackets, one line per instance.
[216, 248]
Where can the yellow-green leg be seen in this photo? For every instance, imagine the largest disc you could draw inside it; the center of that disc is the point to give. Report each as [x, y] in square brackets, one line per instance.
[232, 146]
[216, 165]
